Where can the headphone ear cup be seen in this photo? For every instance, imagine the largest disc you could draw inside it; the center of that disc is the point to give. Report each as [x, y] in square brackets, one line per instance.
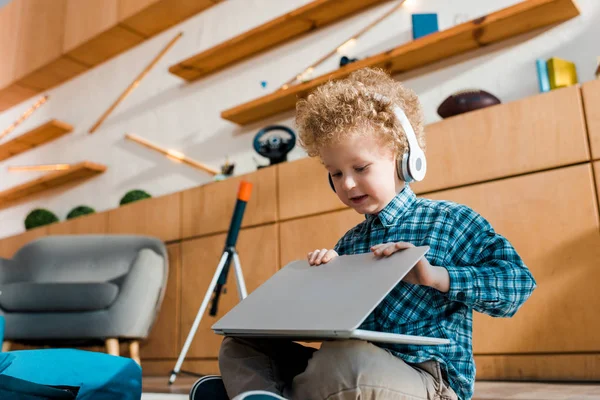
[331, 183]
[402, 167]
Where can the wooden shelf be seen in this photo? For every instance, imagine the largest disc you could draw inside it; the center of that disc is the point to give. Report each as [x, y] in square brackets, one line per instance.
[497, 26]
[286, 27]
[58, 43]
[45, 133]
[49, 181]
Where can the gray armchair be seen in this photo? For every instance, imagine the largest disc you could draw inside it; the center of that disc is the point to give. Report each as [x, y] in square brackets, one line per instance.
[84, 287]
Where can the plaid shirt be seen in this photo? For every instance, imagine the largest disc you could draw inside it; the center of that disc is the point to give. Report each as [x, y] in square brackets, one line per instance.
[486, 275]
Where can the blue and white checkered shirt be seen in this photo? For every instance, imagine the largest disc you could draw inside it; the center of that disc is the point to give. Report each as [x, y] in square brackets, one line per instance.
[486, 275]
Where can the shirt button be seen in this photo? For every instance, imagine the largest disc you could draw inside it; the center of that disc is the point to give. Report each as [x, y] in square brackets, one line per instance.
[461, 296]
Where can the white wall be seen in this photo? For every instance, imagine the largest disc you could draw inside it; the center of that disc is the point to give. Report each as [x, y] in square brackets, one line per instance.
[183, 116]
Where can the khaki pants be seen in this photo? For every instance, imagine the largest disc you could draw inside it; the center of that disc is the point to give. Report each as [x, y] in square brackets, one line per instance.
[340, 370]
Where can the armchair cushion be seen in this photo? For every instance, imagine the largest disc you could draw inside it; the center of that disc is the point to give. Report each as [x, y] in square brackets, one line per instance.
[50, 297]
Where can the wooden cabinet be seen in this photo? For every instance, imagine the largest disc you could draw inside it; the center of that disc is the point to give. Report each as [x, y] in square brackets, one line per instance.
[87, 224]
[535, 133]
[163, 341]
[10, 245]
[159, 217]
[208, 209]
[258, 254]
[591, 103]
[551, 218]
[303, 189]
[298, 237]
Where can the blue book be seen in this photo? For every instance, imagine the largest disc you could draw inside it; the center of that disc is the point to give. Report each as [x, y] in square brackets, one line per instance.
[424, 24]
[542, 73]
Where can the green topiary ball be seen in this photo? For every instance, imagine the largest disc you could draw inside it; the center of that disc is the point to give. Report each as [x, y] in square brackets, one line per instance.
[134, 195]
[39, 217]
[79, 211]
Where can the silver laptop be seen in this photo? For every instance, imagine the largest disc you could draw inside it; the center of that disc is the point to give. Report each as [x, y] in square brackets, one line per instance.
[324, 302]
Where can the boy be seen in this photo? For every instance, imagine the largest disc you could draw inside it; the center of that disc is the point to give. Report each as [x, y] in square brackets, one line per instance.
[352, 126]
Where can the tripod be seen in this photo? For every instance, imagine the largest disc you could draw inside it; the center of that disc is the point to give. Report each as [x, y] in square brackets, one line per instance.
[220, 277]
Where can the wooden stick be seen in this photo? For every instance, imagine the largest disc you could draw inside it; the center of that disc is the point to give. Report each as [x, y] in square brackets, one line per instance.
[135, 83]
[173, 154]
[354, 37]
[112, 346]
[24, 116]
[43, 167]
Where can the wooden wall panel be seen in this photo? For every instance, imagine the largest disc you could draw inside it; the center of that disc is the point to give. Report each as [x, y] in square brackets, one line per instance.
[159, 217]
[86, 19]
[303, 189]
[535, 133]
[10, 245]
[39, 34]
[591, 102]
[596, 166]
[162, 14]
[208, 209]
[539, 367]
[551, 218]
[299, 236]
[9, 22]
[87, 224]
[258, 253]
[163, 341]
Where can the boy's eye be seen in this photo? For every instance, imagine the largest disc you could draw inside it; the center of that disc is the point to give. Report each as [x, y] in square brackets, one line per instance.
[336, 175]
[360, 169]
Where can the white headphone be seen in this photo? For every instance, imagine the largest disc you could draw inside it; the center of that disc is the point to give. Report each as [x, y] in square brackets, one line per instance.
[412, 166]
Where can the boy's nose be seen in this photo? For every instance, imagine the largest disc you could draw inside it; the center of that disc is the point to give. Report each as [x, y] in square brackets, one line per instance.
[348, 183]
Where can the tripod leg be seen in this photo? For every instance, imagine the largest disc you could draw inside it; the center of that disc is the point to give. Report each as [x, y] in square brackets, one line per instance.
[199, 316]
[239, 275]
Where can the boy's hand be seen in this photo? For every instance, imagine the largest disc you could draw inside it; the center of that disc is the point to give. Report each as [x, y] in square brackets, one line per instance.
[423, 273]
[322, 256]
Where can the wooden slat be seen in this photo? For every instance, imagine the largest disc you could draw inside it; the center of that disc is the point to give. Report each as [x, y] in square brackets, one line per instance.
[538, 132]
[551, 218]
[10, 245]
[43, 134]
[542, 367]
[497, 26]
[299, 236]
[307, 18]
[9, 21]
[591, 102]
[86, 224]
[49, 181]
[160, 15]
[257, 249]
[297, 178]
[163, 341]
[208, 209]
[159, 217]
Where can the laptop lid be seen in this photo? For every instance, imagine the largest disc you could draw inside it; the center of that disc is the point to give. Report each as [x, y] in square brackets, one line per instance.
[336, 296]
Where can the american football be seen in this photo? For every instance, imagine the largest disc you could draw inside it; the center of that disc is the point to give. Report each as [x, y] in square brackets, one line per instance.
[465, 101]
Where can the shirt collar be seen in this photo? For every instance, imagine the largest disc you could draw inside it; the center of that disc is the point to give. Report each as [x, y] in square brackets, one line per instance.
[395, 208]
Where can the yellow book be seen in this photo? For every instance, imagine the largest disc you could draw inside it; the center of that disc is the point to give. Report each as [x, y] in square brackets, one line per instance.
[561, 73]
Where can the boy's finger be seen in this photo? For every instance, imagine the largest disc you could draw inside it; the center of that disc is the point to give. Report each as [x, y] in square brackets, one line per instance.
[321, 255]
